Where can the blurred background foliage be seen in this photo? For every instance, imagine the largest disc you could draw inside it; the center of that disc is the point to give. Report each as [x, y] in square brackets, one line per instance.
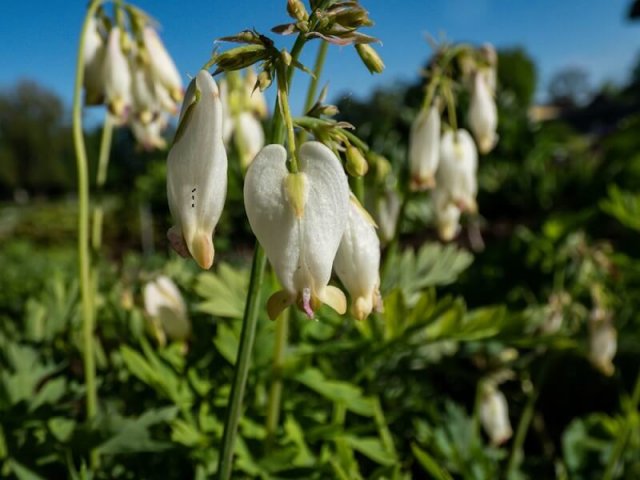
[398, 396]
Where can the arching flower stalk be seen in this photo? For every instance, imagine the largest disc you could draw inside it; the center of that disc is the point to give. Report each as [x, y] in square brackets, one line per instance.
[357, 262]
[197, 171]
[299, 219]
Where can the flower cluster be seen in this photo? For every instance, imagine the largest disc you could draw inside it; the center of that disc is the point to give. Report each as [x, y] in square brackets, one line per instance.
[444, 157]
[130, 71]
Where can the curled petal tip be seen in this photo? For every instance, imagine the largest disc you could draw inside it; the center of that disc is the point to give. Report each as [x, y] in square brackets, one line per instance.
[202, 250]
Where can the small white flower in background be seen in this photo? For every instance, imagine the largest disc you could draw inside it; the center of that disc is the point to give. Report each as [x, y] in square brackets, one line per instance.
[145, 102]
[149, 135]
[424, 148]
[603, 341]
[299, 219]
[167, 310]
[388, 210]
[490, 70]
[197, 171]
[494, 415]
[117, 77]
[94, 51]
[249, 138]
[447, 215]
[456, 175]
[357, 262]
[161, 64]
[483, 114]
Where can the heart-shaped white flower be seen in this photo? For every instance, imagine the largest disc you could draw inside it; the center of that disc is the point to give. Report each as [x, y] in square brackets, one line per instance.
[166, 308]
[117, 77]
[424, 148]
[299, 219]
[358, 261]
[483, 114]
[456, 174]
[197, 171]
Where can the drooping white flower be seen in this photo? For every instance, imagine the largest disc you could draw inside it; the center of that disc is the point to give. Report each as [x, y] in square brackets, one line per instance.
[94, 51]
[494, 415]
[456, 175]
[357, 262]
[387, 212]
[447, 215]
[161, 63]
[299, 219]
[489, 71]
[145, 102]
[249, 138]
[149, 134]
[197, 171]
[117, 77]
[166, 308]
[424, 148]
[603, 341]
[483, 114]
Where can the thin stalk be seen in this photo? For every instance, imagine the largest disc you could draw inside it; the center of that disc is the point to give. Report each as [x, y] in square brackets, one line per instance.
[243, 361]
[83, 230]
[317, 70]
[283, 101]
[101, 178]
[275, 391]
[623, 438]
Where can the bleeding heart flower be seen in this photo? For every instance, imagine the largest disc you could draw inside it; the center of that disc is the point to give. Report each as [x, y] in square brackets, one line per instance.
[117, 77]
[166, 309]
[162, 64]
[94, 51]
[494, 415]
[447, 215]
[456, 174]
[357, 262]
[249, 138]
[483, 114]
[424, 148]
[197, 171]
[299, 219]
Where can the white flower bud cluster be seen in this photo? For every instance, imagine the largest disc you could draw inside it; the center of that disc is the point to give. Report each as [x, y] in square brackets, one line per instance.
[446, 160]
[132, 73]
[244, 106]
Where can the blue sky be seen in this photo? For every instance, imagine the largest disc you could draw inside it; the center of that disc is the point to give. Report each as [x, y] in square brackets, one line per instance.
[38, 38]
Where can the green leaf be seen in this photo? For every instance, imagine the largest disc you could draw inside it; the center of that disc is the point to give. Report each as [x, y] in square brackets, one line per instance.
[429, 464]
[224, 292]
[624, 206]
[370, 447]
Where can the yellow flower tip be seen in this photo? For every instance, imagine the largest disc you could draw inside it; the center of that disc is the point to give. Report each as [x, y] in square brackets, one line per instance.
[295, 185]
[177, 93]
[202, 250]
[447, 232]
[335, 298]
[422, 183]
[277, 303]
[361, 308]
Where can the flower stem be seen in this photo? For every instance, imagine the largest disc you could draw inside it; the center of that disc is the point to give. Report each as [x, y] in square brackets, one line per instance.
[623, 437]
[275, 391]
[243, 361]
[101, 178]
[317, 70]
[83, 231]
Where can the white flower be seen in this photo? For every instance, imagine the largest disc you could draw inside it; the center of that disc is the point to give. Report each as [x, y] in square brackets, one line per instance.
[161, 63]
[249, 138]
[456, 174]
[145, 102]
[483, 114]
[494, 415]
[388, 210]
[299, 219]
[149, 134]
[357, 262]
[424, 148]
[489, 71]
[117, 77]
[166, 308]
[603, 341]
[94, 51]
[197, 171]
[227, 119]
[447, 215]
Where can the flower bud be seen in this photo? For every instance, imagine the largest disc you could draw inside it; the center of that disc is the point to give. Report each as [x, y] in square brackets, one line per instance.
[241, 57]
[457, 169]
[299, 219]
[370, 58]
[388, 210]
[162, 64]
[424, 148]
[603, 342]
[357, 166]
[264, 80]
[117, 77]
[256, 99]
[483, 114]
[447, 215]
[197, 170]
[249, 138]
[166, 309]
[494, 415]
[296, 9]
[94, 52]
[357, 262]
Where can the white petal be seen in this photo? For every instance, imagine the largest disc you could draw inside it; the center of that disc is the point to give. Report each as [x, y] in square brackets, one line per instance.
[424, 148]
[197, 168]
[357, 262]
[494, 415]
[483, 114]
[249, 137]
[117, 77]
[163, 301]
[162, 63]
[458, 169]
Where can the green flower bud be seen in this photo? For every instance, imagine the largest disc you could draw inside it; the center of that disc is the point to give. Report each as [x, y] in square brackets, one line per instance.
[370, 58]
[357, 166]
[296, 10]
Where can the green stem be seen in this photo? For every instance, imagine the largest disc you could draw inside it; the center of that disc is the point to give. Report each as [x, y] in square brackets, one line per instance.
[275, 391]
[101, 178]
[243, 361]
[623, 438]
[317, 70]
[83, 230]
